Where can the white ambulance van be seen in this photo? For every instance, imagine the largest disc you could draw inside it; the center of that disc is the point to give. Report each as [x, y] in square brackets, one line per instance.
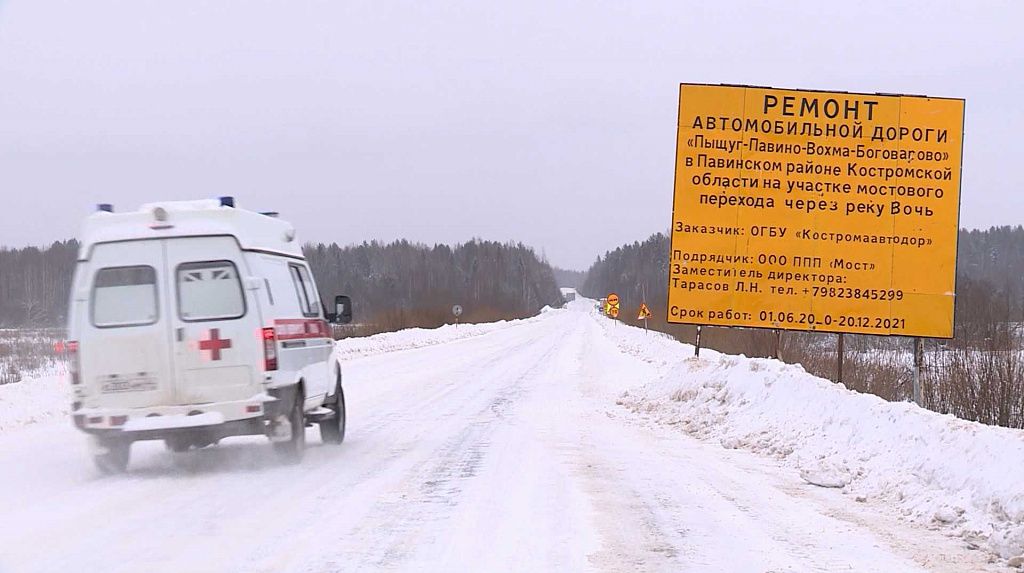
[193, 321]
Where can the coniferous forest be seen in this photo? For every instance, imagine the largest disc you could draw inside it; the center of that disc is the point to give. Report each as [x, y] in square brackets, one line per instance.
[393, 285]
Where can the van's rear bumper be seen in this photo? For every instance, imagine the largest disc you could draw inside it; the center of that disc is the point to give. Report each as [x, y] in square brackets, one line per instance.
[221, 418]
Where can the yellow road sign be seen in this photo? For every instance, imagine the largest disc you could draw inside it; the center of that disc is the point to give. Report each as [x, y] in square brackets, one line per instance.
[612, 305]
[644, 312]
[809, 210]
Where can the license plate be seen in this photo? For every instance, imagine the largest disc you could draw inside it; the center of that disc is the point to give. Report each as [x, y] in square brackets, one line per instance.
[128, 385]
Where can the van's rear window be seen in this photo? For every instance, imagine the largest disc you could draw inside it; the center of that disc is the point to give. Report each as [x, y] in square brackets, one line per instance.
[124, 296]
[209, 290]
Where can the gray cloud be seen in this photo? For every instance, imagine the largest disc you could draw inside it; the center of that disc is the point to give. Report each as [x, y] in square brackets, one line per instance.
[549, 123]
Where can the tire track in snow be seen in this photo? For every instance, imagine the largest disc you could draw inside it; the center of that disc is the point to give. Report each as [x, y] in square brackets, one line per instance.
[435, 485]
[413, 414]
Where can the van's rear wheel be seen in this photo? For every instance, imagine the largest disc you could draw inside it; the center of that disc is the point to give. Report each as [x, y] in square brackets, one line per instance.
[332, 431]
[292, 449]
[177, 444]
[115, 456]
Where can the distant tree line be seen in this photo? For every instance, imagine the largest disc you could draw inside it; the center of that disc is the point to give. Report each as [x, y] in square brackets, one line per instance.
[34, 284]
[978, 376]
[637, 272]
[402, 284]
[569, 278]
[993, 261]
[393, 285]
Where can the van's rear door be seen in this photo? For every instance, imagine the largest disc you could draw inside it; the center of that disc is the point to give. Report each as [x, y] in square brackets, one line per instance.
[216, 321]
[123, 327]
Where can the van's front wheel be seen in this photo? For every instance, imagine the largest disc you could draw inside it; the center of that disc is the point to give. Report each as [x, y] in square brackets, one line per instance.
[291, 450]
[332, 431]
[113, 456]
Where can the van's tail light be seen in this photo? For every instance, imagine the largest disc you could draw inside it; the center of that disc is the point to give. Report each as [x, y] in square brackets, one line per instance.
[70, 348]
[269, 349]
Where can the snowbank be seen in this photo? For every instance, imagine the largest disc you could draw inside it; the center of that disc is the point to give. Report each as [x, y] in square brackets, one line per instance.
[934, 468]
[33, 400]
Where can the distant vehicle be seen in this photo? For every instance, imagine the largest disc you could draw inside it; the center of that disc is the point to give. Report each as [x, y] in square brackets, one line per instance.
[569, 294]
[193, 321]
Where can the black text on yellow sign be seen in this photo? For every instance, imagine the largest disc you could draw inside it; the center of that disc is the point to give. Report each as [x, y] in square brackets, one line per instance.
[825, 211]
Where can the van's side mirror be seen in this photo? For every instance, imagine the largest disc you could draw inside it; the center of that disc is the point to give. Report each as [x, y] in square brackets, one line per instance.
[342, 310]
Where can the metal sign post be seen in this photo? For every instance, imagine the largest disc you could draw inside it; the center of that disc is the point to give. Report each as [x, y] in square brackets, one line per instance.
[696, 345]
[918, 360]
[457, 311]
[839, 366]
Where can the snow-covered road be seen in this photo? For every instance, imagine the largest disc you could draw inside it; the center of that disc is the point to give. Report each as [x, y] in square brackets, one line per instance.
[504, 451]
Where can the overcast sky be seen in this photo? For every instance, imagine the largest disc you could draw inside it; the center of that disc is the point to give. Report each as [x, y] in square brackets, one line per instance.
[550, 123]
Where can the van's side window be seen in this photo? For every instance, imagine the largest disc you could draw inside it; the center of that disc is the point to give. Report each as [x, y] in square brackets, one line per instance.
[304, 289]
[209, 290]
[124, 296]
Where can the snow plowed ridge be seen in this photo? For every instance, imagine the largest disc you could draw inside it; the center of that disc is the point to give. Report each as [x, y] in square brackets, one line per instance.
[936, 469]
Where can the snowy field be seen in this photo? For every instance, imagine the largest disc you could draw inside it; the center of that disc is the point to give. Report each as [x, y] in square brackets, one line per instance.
[563, 442]
[28, 353]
